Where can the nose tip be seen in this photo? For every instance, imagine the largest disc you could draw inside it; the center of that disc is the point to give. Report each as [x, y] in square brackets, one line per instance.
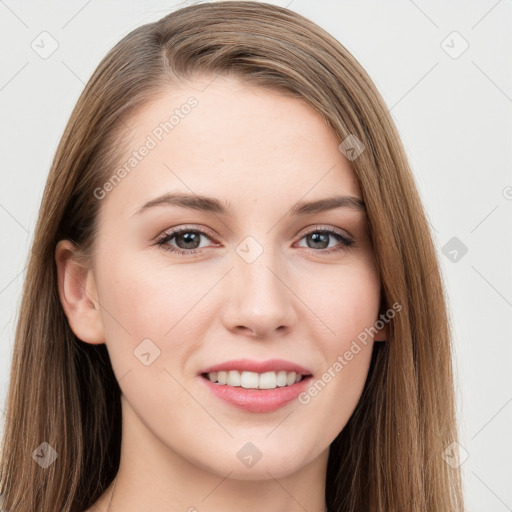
[260, 303]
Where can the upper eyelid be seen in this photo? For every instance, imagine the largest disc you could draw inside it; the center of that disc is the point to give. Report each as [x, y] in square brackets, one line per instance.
[176, 231]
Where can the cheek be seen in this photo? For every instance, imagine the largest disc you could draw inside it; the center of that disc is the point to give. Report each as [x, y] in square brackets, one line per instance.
[148, 299]
[347, 301]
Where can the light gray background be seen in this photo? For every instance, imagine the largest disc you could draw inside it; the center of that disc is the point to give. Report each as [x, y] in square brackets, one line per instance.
[453, 115]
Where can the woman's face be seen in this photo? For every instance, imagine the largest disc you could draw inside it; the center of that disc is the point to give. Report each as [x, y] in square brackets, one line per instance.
[251, 277]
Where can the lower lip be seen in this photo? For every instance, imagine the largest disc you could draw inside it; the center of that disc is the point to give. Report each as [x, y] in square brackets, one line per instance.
[257, 400]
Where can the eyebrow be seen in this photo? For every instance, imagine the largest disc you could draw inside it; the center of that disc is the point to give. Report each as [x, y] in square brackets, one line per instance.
[213, 205]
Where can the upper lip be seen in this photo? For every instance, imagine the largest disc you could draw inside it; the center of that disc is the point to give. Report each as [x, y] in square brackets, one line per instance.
[251, 365]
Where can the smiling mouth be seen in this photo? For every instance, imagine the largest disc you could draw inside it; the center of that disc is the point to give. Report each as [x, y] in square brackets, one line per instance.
[254, 380]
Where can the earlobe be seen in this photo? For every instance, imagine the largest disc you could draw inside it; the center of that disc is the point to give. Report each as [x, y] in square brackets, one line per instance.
[383, 334]
[78, 294]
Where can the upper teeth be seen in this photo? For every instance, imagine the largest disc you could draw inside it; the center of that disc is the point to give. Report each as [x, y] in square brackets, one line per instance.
[252, 380]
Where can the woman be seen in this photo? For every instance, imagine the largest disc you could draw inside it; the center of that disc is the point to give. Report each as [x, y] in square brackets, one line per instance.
[233, 300]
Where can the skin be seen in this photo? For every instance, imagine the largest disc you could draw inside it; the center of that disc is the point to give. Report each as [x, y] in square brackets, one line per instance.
[262, 152]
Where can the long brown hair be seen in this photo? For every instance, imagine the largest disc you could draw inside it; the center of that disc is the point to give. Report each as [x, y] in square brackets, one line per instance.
[63, 392]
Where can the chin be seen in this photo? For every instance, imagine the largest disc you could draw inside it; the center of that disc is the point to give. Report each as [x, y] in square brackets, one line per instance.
[262, 471]
[267, 462]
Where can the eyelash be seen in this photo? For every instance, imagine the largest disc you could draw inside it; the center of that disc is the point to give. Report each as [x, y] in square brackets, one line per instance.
[345, 242]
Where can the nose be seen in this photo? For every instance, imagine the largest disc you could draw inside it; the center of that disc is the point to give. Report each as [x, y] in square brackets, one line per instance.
[260, 302]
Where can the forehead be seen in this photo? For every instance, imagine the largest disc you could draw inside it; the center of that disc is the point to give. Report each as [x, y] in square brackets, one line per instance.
[226, 139]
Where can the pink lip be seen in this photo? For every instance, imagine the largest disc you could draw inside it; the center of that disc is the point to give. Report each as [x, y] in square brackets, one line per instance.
[249, 365]
[257, 400]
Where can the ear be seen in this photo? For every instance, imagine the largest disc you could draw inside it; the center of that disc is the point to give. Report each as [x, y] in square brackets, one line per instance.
[78, 294]
[382, 334]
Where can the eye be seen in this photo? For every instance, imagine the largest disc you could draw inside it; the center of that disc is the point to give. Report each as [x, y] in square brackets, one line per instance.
[187, 240]
[320, 238]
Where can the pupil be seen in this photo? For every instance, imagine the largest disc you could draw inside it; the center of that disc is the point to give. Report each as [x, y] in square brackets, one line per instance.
[189, 238]
[316, 236]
